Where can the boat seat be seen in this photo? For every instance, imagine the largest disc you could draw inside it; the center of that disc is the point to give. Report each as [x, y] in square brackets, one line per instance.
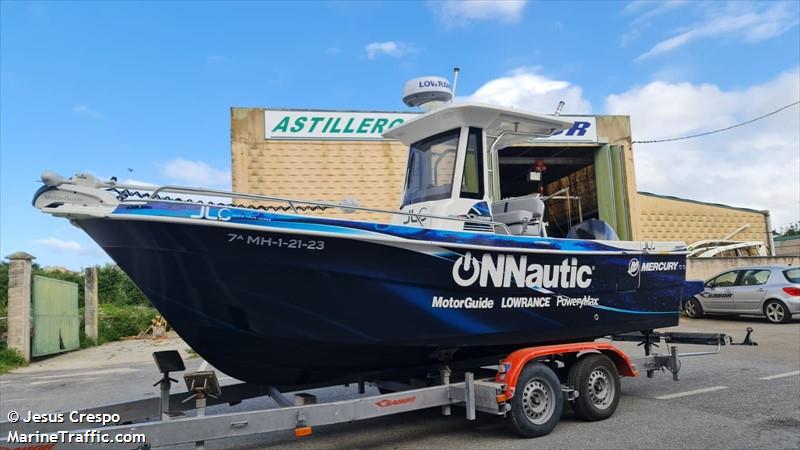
[522, 215]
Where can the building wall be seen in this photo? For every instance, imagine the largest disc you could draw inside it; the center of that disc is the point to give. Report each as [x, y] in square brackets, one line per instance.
[370, 171]
[787, 247]
[672, 219]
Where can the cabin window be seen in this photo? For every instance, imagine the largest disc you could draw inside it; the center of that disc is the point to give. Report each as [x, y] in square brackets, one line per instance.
[431, 165]
[472, 179]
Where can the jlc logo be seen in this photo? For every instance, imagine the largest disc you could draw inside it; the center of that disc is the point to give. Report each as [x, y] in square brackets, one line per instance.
[413, 218]
[222, 214]
[502, 270]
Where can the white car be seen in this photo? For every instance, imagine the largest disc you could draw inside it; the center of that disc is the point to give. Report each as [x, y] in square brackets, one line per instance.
[769, 291]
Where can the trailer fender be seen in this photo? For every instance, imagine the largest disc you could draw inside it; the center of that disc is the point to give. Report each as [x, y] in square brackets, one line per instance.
[512, 365]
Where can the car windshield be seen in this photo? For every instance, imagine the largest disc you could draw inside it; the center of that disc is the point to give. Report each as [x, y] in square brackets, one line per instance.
[793, 275]
[431, 165]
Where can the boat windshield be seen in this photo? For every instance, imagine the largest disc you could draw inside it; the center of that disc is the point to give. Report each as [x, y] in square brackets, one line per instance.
[431, 165]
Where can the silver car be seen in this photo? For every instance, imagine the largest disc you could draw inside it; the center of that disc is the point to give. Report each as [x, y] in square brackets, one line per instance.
[770, 291]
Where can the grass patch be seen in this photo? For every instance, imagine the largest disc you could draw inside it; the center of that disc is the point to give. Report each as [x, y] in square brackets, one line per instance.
[119, 321]
[10, 359]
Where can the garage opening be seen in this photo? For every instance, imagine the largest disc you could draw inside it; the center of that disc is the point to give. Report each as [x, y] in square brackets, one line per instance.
[566, 175]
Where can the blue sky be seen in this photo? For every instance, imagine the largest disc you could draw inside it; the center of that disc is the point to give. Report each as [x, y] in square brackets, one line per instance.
[104, 87]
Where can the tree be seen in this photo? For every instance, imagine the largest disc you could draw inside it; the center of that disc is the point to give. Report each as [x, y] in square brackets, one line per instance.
[790, 230]
[3, 283]
[114, 286]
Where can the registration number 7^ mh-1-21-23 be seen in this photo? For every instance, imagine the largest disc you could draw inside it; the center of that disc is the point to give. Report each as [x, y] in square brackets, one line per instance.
[263, 241]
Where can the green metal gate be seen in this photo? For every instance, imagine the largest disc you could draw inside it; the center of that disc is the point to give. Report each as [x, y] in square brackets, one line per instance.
[55, 316]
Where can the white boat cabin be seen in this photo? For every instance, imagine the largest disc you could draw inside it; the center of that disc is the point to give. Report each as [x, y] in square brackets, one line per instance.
[453, 168]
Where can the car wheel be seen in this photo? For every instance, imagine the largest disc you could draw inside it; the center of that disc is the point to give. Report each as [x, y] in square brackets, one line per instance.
[693, 309]
[537, 403]
[776, 312]
[596, 379]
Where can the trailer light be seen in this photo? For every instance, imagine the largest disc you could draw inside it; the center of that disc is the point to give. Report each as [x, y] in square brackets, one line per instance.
[793, 291]
[503, 367]
[302, 431]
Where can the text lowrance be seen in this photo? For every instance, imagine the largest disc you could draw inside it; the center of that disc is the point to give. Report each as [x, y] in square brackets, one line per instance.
[561, 301]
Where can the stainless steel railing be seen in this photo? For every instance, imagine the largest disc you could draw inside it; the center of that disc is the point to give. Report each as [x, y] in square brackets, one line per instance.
[156, 190]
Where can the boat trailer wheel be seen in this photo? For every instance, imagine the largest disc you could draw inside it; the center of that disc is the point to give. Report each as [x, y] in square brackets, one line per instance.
[537, 404]
[596, 379]
[601, 388]
[537, 401]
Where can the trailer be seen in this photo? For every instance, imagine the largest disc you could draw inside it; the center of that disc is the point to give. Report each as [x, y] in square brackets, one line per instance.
[529, 388]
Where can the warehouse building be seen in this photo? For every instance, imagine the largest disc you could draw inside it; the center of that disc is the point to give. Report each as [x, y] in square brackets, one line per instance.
[588, 170]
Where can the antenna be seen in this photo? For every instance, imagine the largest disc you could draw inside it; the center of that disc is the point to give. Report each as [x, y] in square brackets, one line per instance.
[559, 108]
[456, 70]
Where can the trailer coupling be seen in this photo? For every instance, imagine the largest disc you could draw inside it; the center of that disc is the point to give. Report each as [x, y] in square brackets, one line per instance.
[671, 362]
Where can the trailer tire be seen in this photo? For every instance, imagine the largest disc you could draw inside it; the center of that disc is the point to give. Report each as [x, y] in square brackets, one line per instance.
[537, 403]
[596, 379]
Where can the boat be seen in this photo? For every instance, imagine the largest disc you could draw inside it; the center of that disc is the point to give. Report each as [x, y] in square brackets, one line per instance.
[270, 292]
[718, 248]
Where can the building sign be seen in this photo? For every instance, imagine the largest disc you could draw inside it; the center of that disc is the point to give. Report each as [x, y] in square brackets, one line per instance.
[330, 125]
[583, 129]
[370, 125]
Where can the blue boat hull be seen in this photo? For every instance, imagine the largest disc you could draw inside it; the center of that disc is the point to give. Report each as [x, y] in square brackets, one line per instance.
[291, 307]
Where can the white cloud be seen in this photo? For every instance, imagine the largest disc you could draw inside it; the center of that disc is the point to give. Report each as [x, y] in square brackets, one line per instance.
[525, 88]
[651, 9]
[645, 12]
[86, 110]
[389, 48]
[459, 13]
[197, 173]
[743, 21]
[755, 166]
[60, 245]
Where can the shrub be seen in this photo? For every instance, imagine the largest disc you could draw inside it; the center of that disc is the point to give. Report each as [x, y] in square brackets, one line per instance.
[114, 286]
[3, 322]
[10, 359]
[119, 321]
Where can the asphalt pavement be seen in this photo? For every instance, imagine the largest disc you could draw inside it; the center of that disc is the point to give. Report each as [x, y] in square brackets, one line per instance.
[744, 397]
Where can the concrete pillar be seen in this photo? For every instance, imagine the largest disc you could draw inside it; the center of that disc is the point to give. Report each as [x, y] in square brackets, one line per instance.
[19, 303]
[91, 301]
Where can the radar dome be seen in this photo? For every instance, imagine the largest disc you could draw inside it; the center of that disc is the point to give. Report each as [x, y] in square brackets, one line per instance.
[426, 92]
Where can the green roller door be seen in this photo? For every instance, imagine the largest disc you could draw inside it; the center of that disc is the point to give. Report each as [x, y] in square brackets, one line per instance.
[55, 316]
